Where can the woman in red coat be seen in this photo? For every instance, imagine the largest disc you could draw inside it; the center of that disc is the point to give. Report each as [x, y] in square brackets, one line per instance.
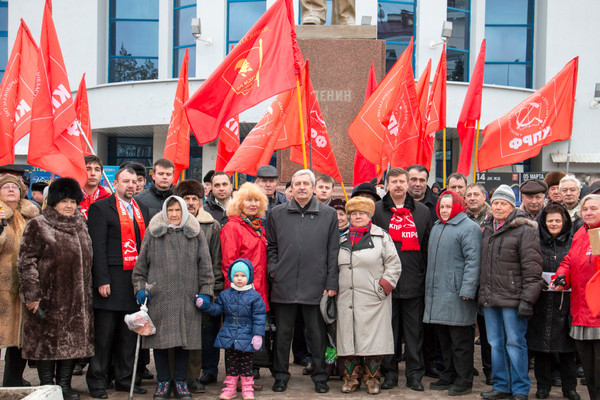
[578, 267]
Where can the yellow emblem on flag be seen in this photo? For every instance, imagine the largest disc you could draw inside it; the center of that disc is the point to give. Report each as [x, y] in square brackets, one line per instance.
[244, 71]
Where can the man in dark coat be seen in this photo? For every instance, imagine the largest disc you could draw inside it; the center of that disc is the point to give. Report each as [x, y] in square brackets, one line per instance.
[418, 176]
[303, 264]
[219, 197]
[409, 224]
[160, 189]
[267, 180]
[113, 294]
[533, 194]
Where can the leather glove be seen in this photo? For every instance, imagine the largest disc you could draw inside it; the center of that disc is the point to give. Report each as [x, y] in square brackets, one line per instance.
[202, 301]
[141, 295]
[257, 342]
[525, 309]
[545, 285]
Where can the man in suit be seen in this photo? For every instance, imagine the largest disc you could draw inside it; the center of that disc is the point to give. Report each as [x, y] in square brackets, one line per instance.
[114, 256]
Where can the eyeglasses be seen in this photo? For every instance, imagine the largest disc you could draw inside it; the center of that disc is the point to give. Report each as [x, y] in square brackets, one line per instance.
[10, 187]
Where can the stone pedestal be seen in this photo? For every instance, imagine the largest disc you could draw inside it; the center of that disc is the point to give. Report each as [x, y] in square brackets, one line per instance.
[339, 59]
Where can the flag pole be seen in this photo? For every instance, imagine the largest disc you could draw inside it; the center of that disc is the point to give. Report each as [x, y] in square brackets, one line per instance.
[476, 152]
[568, 154]
[87, 142]
[236, 182]
[344, 189]
[444, 156]
[301, 122]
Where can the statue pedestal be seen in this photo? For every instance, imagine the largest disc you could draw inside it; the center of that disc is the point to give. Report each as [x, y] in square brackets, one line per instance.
[340, 57]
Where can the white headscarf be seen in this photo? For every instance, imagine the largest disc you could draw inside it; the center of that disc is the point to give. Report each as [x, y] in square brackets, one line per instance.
[184, 212]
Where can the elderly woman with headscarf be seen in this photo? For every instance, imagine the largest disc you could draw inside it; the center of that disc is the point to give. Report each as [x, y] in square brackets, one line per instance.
[15, 211]
[454, 254]
[369, 269]
[175, 257]
[55, 262]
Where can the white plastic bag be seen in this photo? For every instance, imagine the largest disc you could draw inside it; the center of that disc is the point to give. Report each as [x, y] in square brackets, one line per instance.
[140, 322]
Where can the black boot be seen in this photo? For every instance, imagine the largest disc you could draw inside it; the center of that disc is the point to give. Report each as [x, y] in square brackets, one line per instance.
[64, 375]
[45, 370]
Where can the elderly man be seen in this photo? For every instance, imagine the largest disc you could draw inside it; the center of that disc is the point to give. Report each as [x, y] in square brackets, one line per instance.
[570, 188]
[303, 265]
[457, 182]
[552, 179]
[267, 180]
[206, 359]
[509, 285]
[533, 194]
[418, 176]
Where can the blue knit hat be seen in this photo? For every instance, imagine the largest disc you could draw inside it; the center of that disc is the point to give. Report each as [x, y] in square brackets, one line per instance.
[239, 266]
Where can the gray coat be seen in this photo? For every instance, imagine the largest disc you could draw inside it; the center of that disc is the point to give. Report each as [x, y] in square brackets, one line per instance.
[364, 323]
[178, 261]
[302, 252]
[453, 272]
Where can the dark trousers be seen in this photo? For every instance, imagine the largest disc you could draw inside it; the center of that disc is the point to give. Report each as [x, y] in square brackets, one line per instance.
[407, 323]
[300, 343]
[486, 349]
[432, 352]
[111, 333]
[238, 363]
[544, 363]
[589, 354]
[286, 320]
[14, 365]
[180, 364]
[457, 348]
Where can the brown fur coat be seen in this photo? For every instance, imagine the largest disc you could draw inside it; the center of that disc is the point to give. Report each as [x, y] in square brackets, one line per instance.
[10, 304]
[55, 262]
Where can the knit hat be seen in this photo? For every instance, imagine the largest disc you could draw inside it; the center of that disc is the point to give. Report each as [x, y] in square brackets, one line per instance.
[17, 181]
[64, 188]
[504, 192]
[189, 187]
[241, 265]
[553, 178]
[360, 204]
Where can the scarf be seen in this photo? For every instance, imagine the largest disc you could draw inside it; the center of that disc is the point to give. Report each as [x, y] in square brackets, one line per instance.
[253, 222]
[357, 232]
[403, 229]
[87, 201]
[243, 288]
[128, 243]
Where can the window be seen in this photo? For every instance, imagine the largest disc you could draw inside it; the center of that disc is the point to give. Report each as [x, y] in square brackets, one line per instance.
[509, 49]
[241, 15]
[395, 25]
[121, 149]
[183, 12]
[133, 40]
[3, 37]
[457, 53]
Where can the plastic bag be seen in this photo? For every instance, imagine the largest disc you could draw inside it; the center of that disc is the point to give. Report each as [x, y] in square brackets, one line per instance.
[140, 322]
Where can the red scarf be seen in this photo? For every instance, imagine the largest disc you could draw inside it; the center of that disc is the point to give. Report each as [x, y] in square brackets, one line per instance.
[356, 233]
[128, 242]
[403, 229]
[87, 201]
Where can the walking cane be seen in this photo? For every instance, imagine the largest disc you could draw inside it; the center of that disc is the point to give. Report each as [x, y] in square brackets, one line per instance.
[137, 352]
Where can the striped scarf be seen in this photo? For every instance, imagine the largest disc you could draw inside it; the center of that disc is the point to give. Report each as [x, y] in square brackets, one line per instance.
[357, 232]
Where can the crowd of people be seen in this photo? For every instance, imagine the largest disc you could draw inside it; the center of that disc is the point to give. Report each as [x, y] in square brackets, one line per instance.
[400, 272]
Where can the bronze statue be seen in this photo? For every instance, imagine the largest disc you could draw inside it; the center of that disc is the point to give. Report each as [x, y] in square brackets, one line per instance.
[314, 12]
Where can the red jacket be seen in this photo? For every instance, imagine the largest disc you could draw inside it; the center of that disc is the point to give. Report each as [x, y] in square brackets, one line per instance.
[87, 201]
[578, 267]
[239, 240]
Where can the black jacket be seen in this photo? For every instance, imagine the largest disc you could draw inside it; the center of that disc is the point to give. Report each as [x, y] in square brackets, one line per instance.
[548, 328]
[430, 200]
[414, 263]
[215, 210]
[105, 230]
[302, 252]
[153, 199]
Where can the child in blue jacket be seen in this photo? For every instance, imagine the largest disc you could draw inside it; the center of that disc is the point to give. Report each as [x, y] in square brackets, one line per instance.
[243, 329]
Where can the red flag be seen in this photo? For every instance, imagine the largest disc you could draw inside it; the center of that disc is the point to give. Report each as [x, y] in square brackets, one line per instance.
[435, 118]
[323, 159]
[265, 62]
[54, 142]
[470, 114]
[82, 110]
[177, 147]
[16, 93]
[229, 142]
[542, 118]
[423, 90]
[364, 170]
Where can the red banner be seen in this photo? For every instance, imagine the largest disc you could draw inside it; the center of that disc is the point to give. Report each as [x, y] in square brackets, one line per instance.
[365, 170]
[542, 118]
[82, 111]
[435, 118]
[229, 142]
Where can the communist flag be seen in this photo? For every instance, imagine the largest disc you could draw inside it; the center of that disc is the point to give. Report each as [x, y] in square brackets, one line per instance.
[264, 63]
[82, 110]
[423, 90]
[16, 93]
[470, 114]
[229, 142]
[542, 118]
[323, 159]
[365, 170]
[177, 147]
[54, 142]
[435, 118]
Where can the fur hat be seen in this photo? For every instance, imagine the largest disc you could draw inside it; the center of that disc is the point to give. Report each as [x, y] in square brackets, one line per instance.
[64, 188]
[338, 204]
[553, 178]
[189, 187]
[17, 181]
[360, 204]
[504, 192]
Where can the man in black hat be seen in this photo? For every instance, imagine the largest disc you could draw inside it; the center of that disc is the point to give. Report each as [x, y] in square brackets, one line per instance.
[533, 194]
[365, 189]
[37, 193]
[267, 180]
